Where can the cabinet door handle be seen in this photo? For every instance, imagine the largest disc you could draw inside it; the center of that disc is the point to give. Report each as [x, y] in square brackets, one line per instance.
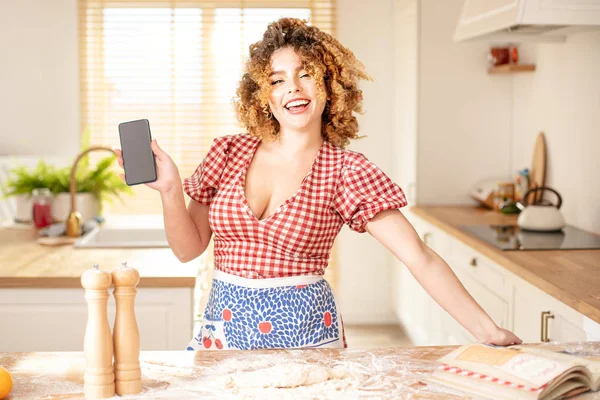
[473, 262]
[546, 315]
[426, 238]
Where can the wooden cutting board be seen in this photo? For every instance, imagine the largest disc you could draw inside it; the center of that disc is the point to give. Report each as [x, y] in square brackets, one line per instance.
[538, 168]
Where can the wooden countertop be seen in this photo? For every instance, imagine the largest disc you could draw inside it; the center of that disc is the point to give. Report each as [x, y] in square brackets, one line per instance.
[571, 276]
[382, 373]
[26, 264]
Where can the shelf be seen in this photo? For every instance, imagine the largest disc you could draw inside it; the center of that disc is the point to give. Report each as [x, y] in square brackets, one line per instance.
[511, 68]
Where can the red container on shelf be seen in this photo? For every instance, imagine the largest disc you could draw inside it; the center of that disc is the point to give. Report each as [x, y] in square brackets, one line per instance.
[498, 56]
[514, 55]
[42, 207]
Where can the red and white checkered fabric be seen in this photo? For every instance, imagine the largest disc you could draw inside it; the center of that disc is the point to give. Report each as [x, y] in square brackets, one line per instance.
[342, 187]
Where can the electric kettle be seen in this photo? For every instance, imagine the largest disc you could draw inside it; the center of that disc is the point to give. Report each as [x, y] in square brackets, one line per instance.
[541, 217]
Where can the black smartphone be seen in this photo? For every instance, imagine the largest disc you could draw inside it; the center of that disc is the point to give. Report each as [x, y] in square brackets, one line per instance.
[138, 158]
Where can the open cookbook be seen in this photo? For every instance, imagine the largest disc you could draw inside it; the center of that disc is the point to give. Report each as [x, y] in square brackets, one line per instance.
[516, 372]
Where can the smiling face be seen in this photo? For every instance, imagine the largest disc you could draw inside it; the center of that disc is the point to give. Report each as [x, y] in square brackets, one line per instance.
[295, 100]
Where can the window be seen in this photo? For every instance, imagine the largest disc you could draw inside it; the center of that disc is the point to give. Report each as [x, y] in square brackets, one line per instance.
[176, 63]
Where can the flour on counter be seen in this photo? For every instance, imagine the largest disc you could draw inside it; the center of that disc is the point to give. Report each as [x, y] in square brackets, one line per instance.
[290, 375]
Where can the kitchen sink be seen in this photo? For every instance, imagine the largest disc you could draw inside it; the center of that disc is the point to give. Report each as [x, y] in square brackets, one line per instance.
[123, 233]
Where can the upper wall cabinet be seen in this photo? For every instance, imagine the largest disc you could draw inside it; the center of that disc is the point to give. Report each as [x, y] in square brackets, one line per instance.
[526, 20]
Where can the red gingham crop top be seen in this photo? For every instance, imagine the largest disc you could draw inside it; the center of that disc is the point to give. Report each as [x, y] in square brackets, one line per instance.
[342, 187]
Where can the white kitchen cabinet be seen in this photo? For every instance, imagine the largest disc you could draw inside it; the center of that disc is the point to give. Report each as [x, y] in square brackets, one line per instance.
[424, 320]
[592, 329]
[511, 302]
[485, 283]
[529, 303]
[485, 280]
[55, 319]
[413, 313]
[561, 324]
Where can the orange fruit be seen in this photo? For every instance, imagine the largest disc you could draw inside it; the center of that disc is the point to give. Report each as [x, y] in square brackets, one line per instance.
[6, 383]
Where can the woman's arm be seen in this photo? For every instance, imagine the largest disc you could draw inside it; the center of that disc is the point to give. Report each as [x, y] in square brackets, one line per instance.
[188, 231]
[394, 231]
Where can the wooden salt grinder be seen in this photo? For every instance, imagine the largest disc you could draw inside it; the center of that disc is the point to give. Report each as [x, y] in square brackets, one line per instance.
[126, 336]
[99, 379]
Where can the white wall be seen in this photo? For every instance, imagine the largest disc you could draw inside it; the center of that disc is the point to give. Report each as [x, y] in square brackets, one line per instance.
[39, 69]
[365, 277]
[463, 112]
[562, 99]
[406, 74]
[474, 126]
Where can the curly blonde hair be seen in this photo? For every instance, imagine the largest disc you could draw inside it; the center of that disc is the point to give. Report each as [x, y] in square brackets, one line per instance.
[323, 57]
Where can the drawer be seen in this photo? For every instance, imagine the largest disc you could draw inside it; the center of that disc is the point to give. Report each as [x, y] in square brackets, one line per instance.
[487, 273]
[563, 325]
[495, 304]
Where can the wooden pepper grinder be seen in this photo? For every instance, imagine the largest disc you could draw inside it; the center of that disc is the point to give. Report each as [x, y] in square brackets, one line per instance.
[126, 337]
[99, 379]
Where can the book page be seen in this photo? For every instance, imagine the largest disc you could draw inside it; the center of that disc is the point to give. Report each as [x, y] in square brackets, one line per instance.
[508, 364]
[534, 369]
[562, 357]
[489, 389]
[480, 389]
[594, 368]
[592, 363]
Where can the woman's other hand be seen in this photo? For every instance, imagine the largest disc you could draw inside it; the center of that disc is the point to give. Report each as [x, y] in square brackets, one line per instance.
[167, 172]
[501, 337]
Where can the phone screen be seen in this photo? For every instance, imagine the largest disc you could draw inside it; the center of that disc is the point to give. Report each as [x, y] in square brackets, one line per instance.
[138, 158]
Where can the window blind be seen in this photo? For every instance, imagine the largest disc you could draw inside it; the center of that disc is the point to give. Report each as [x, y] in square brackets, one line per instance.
[176, 63]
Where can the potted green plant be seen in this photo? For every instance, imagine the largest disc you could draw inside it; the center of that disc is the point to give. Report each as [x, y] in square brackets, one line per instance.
[94, 186]
[22, 182]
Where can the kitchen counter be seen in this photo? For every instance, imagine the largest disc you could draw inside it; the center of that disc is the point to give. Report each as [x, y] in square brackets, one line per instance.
[378, 373]
[571, 276]
[41, 285]
[26, 264]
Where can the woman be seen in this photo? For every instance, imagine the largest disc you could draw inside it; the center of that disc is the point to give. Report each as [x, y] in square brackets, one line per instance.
[276, 197]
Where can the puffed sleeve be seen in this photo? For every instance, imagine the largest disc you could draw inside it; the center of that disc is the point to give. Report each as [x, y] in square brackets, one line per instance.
[363, 190]
[203, 185]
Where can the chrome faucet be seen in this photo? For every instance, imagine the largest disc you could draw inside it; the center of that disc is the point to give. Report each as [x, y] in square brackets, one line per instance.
[74, 224]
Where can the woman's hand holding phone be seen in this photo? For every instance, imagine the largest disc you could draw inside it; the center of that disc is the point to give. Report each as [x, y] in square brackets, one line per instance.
[167, 172]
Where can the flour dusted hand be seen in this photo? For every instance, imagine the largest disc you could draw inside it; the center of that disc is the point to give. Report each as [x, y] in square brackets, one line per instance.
[167, 171]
